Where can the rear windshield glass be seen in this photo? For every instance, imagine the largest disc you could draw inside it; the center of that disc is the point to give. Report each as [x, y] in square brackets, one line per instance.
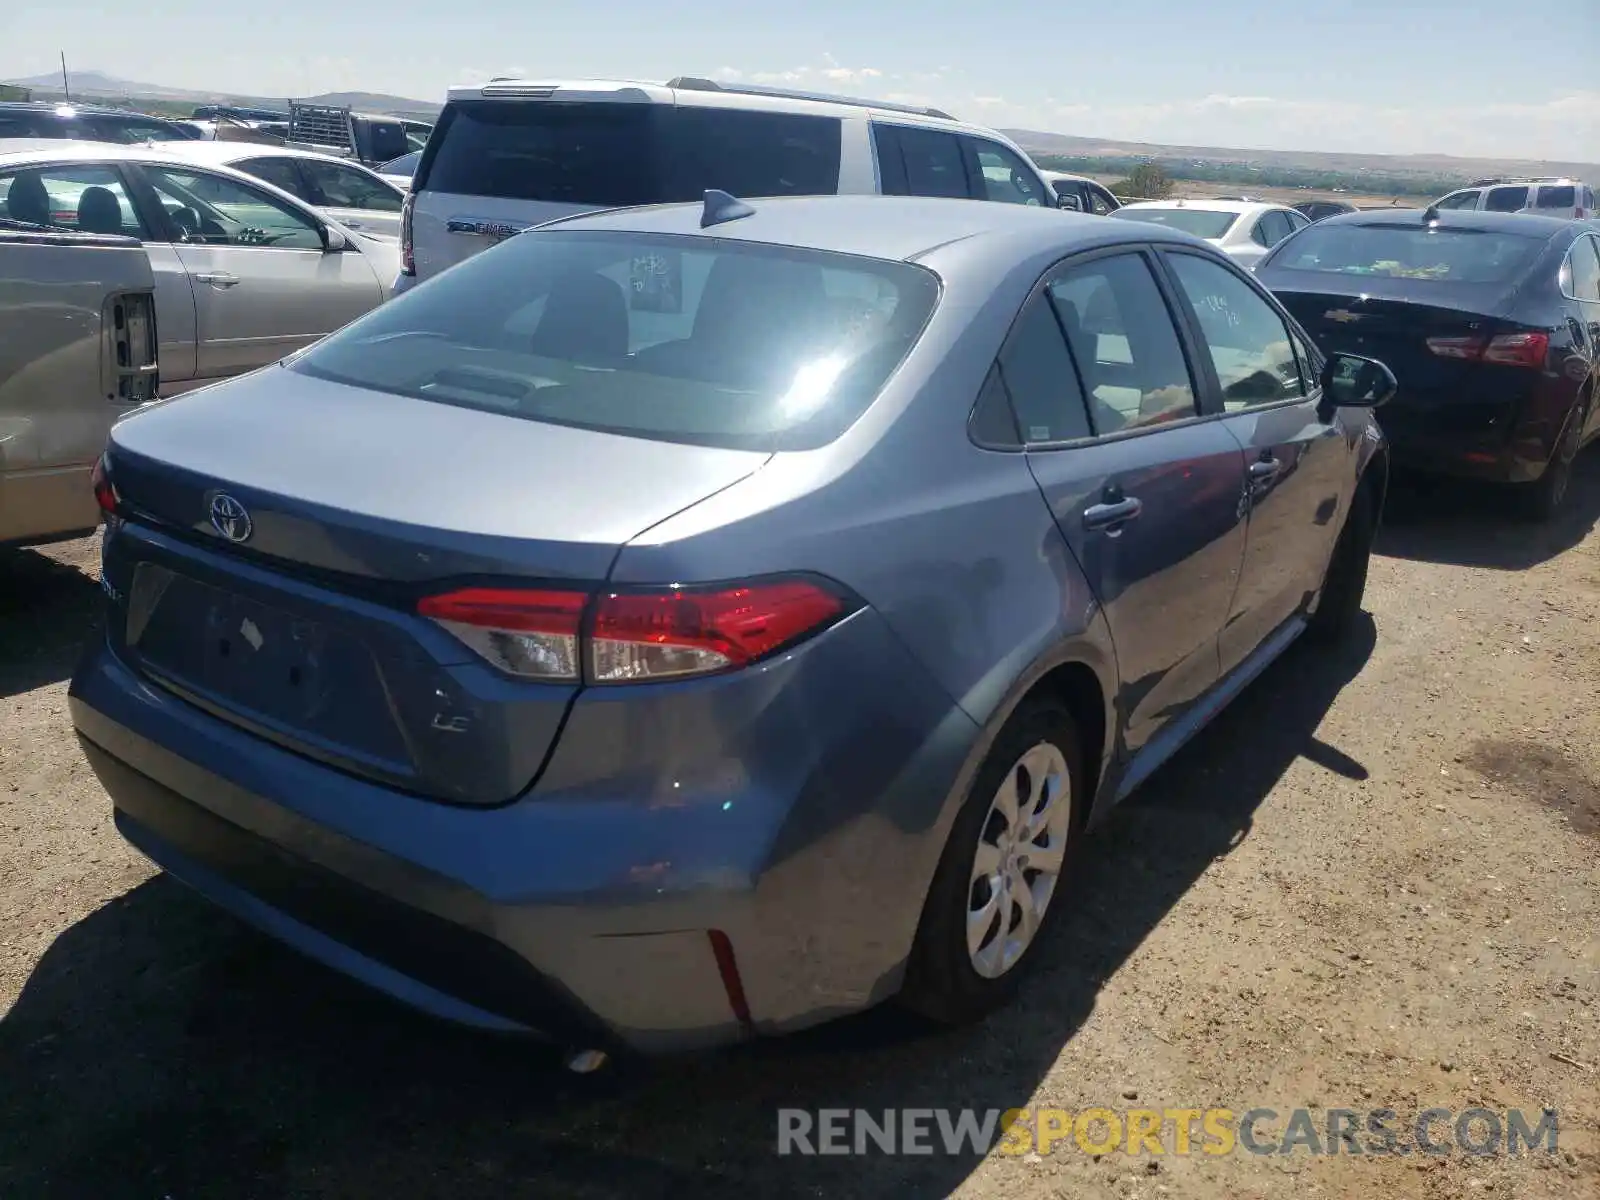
[1202, 222]
[689, 339]
[1558, 197]
[1399, 252]
[616, 155]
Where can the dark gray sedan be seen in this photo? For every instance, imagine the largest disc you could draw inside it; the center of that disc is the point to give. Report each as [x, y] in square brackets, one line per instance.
[688, 623]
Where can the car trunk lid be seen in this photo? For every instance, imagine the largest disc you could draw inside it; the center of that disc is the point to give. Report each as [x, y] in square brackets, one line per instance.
[1419, 330]
[282, 529]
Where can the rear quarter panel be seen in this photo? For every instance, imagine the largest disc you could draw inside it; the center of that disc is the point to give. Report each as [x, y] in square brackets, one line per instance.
[953, 546]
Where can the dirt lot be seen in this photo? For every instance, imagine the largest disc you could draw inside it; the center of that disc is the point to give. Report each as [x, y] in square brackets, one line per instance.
[1375, 882]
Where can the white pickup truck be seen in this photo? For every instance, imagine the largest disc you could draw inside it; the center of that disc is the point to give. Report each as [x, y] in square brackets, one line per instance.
[77, 350]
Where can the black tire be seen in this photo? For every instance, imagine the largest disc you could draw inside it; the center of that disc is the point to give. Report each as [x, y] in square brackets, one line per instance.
[1346, 581]
[941, 983]
[1544, 499]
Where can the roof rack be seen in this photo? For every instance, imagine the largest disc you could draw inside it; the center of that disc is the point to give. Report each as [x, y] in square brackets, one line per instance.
[693, 83]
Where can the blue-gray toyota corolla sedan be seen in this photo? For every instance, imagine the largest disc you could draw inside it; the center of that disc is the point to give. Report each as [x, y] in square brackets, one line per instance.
[686, 623]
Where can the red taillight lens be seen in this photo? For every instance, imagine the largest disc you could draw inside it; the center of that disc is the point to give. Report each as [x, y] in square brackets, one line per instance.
[1506, 349]
[634, 636]
[408, 260]
[1518, 349]
[528, 633]
[657, 635]
[105, 493]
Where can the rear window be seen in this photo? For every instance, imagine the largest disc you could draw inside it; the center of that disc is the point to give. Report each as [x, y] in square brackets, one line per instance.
[120, 129]
[616, 155]
[1565, 196]
[688, 339]
[1399, 252]
[1202, 222]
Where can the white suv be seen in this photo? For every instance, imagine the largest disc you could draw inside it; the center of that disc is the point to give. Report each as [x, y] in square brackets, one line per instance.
[514, 154]
[1547, 197]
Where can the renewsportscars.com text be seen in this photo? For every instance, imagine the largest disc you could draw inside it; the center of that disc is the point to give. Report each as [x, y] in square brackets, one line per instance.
[1179, 1131]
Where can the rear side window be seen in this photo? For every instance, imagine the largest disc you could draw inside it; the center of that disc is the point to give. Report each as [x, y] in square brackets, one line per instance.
[1038, 373]
[1506, 199]
[1583, 270]
[933, 164]
[279, 172]
[688, 339]
[1410, 252]
[1467, 199]
[616, 155]
[1565, 196]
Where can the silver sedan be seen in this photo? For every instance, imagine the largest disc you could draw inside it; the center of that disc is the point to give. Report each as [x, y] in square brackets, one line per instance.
[245, 273]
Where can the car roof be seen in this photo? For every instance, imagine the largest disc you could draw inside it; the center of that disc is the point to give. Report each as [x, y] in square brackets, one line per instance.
[21, 151]
[696, 93]
[64, 108]
[1526, 223]
[1233, 206]
[227, 153]
[886, 227]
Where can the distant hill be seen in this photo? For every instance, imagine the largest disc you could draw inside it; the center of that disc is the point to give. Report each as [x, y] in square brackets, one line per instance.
[97, 85]
[1427, 165]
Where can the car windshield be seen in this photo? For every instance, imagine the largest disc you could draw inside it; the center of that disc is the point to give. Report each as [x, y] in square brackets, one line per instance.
[688, 339]
[1202, 222]
[1411, 252]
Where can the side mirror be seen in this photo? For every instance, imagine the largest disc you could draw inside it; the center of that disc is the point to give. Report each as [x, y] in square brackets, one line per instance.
[1350, 381]
[333, 241]
[1069, 202]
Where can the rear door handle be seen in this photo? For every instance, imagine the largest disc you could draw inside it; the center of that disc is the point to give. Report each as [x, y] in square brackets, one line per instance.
[1113, 513]
[217, 279]
[1266, 468]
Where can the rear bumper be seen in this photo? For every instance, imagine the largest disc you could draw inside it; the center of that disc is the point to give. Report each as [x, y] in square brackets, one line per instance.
[583, 911]
[45, 504]
[1496, 441]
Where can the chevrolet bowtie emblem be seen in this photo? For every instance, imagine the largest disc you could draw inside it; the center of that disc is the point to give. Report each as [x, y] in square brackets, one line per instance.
[1342, 315]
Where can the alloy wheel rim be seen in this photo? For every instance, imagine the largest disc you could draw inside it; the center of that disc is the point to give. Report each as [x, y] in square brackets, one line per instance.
[1018, 860]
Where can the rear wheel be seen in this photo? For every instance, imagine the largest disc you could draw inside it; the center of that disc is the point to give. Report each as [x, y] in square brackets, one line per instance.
[1543, 499]
[1002, 866]
[1346, 581]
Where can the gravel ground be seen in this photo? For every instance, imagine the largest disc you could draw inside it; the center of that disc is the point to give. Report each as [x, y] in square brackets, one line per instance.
[1374, 882]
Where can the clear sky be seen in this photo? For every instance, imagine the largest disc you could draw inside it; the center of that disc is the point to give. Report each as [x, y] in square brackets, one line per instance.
[1472, 77]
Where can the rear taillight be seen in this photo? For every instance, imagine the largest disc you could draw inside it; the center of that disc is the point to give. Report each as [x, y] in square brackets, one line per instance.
[408, 259]
[529, 633]
[1518, 349]
[105, 492]
[1505, 349]
[635, 636]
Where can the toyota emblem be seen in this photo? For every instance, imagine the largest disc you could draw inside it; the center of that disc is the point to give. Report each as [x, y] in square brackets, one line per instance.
[230, 518]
